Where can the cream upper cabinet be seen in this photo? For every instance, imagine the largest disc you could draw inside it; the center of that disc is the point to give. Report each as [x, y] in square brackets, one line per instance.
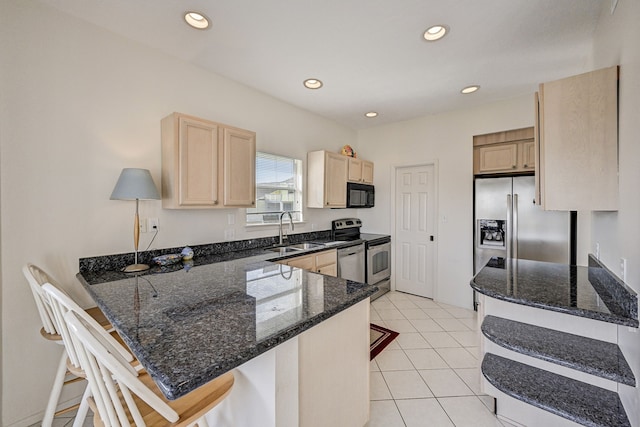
[496, 158]
[578, 142]
[367, 172]
[239, 147]
[360, 171]
[527, 155]
[206, 164]
[506, 152]
[327, 174]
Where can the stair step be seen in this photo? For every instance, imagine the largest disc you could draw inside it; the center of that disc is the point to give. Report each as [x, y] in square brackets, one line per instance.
[588, 355]
[580, 402]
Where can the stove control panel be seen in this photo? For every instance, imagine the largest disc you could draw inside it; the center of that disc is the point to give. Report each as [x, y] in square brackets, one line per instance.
[341, 224]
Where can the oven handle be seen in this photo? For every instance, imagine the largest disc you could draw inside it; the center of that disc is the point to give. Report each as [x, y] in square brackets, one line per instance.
[374, 249]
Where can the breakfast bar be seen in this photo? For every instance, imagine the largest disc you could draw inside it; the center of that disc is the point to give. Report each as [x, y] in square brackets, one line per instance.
[271, 323]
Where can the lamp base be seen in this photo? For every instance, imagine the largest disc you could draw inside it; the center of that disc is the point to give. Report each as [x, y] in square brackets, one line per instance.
[134, 268]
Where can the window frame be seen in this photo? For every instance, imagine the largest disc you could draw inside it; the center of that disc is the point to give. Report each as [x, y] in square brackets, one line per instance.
[298, 194]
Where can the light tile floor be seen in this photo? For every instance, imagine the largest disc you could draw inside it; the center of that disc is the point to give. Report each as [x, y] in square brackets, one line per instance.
[430, 374]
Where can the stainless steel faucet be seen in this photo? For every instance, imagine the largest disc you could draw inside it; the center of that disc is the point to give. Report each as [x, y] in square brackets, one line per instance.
[290, 224]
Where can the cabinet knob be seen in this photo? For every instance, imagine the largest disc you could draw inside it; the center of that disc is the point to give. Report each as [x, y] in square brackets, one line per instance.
[215, 202]
[513, 167]
[526, 165]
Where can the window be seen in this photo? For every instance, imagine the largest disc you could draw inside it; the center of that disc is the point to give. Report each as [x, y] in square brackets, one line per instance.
[278, 189]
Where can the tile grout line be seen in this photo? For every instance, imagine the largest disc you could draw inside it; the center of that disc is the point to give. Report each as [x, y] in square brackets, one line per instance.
[389, 304]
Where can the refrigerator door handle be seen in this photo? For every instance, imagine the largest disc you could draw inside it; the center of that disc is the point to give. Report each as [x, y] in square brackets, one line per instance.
[514, 243]
[509, 226]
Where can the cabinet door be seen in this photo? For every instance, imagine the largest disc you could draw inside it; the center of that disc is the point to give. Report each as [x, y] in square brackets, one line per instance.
[239, 147]
[367, 172]
[498, 158]
[328, 270]
[335, 179]
[527, 154]
[305, 262]
[197, 162]
[579, 142]
[355, 170]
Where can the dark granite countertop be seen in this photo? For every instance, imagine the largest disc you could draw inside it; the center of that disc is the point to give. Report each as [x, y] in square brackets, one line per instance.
[582, 403]
[188, 324]
[594, 357]
[591, 292]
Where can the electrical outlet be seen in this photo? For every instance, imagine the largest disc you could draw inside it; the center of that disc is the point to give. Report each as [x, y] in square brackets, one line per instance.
[229, 234]
[153, 224]
[231, 219]
[142, 225]
[597, 250]
[623, 269]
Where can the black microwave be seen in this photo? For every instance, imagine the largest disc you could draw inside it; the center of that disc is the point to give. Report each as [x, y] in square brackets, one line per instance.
[360, 195]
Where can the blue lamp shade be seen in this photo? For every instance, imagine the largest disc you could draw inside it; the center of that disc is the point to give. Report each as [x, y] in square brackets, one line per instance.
[135, 184]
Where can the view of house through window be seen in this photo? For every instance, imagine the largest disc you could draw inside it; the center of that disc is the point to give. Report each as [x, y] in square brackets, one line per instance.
[278, 189]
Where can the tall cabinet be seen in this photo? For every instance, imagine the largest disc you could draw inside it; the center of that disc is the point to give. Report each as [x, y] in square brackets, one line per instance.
[206, 164]
[327, 175]
[577, 142]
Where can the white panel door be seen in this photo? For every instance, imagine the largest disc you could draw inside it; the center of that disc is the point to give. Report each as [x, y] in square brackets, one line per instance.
[414, 230]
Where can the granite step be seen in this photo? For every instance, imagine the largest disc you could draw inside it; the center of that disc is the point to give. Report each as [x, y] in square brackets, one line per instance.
[599, 358]
[579, 402]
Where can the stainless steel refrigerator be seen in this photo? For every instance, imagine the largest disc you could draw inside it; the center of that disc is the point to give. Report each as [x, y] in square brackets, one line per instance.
[508, 224]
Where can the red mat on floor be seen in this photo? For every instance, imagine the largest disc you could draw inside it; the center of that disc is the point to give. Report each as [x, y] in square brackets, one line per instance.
[379, 338]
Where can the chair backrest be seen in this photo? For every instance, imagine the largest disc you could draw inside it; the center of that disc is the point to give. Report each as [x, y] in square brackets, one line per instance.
[36, 277]
[110, 378]
[60, 303]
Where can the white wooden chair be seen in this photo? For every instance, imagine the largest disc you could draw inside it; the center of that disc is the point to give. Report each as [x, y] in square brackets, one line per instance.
[36, 277]
[123, 396]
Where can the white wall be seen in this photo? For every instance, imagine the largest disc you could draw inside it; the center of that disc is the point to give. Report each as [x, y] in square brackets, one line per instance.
[78, 104]
[448, 139]
[617, 41]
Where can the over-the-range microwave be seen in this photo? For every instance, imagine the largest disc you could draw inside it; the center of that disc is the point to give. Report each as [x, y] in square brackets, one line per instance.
[360, 195]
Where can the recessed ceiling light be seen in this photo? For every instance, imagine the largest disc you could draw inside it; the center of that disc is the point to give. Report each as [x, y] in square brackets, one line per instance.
[197, 20]
[435, 32]
[371, 114]
[470, 89]
[312, 84]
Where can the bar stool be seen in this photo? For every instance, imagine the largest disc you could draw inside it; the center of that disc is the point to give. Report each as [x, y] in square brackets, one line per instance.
[122, 395]
[36, 277]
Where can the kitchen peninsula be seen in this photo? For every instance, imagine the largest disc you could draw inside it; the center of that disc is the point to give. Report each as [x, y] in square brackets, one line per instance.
[550, 341]
[298, 341]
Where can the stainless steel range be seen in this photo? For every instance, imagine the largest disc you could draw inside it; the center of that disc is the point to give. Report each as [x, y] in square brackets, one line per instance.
[373, 249]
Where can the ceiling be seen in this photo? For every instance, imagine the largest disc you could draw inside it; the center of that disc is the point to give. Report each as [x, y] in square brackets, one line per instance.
[370, 54]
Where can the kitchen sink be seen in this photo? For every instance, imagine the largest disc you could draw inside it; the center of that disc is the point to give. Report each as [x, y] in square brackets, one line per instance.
[305, 246]
[283, 249]
[295, 248]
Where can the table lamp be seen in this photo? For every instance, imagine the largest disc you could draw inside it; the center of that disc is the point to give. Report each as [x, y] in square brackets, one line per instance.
[135, 184]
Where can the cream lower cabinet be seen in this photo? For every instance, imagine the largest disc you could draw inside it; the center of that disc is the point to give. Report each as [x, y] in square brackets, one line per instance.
[325, 262]
[327, 174]
[360, 171]
[206, 164]
[578, 142]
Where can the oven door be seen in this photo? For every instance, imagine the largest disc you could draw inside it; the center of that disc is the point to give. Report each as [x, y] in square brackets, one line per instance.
[378, 263]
